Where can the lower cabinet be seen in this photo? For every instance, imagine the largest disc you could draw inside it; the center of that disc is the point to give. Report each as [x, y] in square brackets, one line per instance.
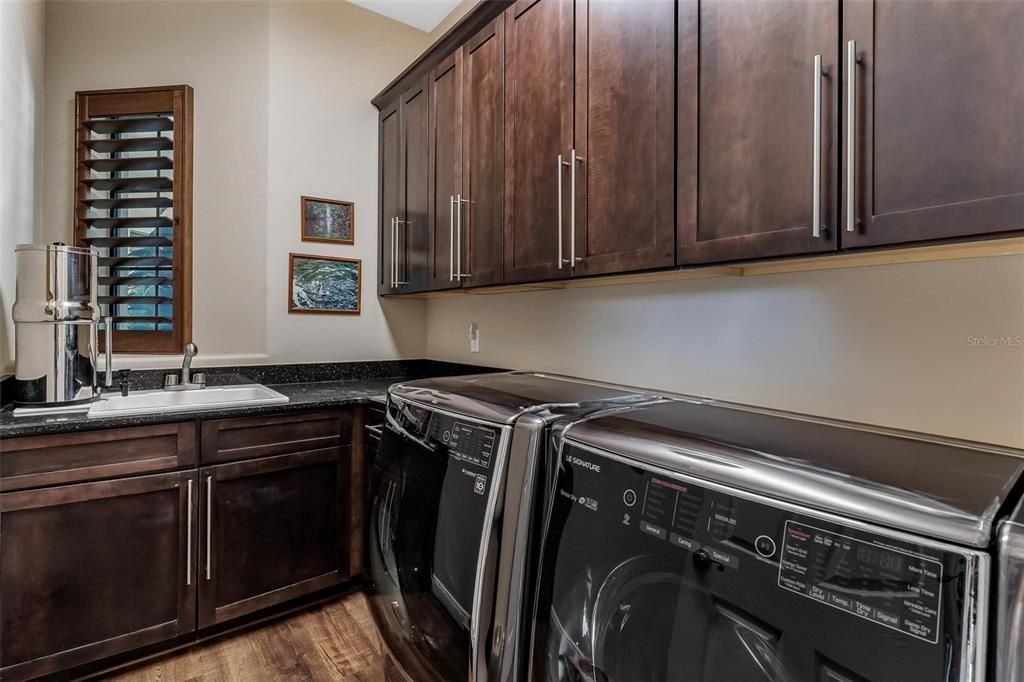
[95, 569]
[90, 570]
[272, 529]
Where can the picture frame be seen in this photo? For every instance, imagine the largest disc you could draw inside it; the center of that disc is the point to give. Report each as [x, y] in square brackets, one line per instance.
[324, 284]
[331, 221]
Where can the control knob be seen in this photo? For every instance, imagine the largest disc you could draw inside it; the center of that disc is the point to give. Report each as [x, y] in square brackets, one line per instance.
[765, 546]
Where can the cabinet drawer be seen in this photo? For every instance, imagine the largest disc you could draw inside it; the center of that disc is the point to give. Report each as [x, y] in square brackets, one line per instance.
[230, 440]
[35, 461]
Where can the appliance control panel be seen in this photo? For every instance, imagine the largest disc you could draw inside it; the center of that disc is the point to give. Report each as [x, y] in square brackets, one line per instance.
[803, 559]
[870, 578]
[466, 441]
[689, 517]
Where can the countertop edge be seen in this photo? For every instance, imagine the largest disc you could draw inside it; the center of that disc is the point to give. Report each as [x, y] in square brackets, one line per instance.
[79, 423]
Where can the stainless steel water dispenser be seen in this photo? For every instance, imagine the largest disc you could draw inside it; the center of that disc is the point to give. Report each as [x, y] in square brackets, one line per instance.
[56, 324]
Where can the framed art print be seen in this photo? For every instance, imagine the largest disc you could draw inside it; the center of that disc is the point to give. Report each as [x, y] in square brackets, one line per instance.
[328, 220]
[323, 284]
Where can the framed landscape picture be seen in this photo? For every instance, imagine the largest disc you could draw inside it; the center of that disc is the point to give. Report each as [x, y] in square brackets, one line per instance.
[328, 220]
[323, 284]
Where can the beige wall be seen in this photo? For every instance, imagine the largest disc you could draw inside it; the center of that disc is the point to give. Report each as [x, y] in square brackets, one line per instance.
[222, 52]
[327, 59]
[282, 109]
[892, 345]
[21, 92]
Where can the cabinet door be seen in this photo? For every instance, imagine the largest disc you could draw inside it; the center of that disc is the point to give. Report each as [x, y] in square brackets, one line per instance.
[390, 177]
[625, 125]
[483, 174]
[95, 569]
[747, 82]
[938, 117]
[445, 175]
[272, 529]
[413, 232]
[538, 133]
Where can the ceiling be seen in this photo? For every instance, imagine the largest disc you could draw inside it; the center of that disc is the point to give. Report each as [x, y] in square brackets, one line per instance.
[422, 14]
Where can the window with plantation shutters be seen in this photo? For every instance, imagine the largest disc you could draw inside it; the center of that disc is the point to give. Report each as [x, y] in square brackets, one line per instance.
[133, 203]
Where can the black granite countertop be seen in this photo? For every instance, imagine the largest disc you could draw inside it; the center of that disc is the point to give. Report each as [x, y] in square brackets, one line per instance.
[311, 387]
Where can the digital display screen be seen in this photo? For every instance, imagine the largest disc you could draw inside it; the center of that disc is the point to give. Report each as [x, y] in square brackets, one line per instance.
[870, 555]
[893, 587]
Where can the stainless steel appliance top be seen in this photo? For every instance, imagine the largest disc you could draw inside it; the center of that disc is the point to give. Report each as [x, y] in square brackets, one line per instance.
[504, 396]
[944, 489]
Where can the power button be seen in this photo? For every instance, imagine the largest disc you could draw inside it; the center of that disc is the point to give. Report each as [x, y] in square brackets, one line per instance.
[765, 546]
[629, 497]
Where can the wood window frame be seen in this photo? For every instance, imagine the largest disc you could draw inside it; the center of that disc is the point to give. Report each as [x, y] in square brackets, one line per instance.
[176, 100]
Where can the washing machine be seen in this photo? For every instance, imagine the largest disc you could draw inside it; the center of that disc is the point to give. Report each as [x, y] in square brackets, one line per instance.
[452, 488]
[692, 541]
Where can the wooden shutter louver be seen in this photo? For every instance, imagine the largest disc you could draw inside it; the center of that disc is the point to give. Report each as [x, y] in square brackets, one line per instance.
[133, 202]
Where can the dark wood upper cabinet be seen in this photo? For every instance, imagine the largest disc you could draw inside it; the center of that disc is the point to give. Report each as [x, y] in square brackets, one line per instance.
[615, 136]
[445, 169]
[273, 529]
[404, 169]
[389, 179]
[625, 109]
[467, 163]
[95, 569]
[538, 133]
[938, 117]
[747, 82]
[412, 226]
[483, 157]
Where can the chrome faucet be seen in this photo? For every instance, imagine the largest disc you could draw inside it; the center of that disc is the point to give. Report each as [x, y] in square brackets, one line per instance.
[191, 350]
[186, 381]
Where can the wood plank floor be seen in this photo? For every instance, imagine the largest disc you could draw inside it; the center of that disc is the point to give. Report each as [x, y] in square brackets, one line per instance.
[333, 641]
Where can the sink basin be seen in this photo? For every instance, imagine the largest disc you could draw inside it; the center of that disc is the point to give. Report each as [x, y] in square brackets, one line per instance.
[160, 401]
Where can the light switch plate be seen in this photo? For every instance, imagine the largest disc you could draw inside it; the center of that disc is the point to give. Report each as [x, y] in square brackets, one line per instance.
[474, 337]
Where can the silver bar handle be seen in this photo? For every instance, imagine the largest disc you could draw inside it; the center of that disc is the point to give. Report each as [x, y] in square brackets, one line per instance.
[188, 543]
[816, 156]
[573, 260]
[209, 522]
[458, 235]
[851, 134]
[561, 163]
[399, 282]
[391, 258]
[451, 238]
[108, 339]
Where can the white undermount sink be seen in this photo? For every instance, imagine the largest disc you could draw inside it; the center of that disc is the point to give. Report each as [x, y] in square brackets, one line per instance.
[159, 401]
